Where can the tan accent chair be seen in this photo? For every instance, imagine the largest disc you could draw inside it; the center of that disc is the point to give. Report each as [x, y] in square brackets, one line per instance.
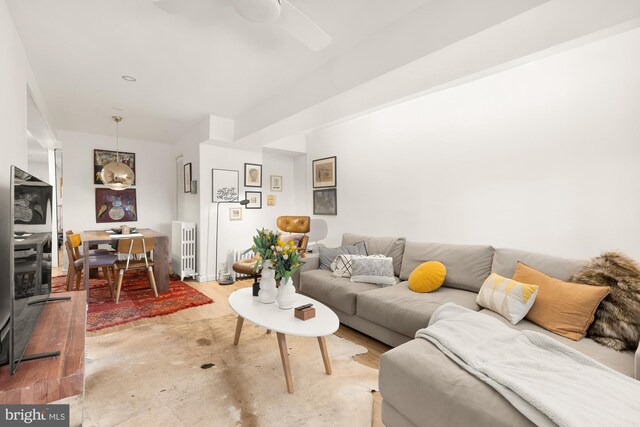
[296, 225]
[290, 224]
[247, 266]
[138, 252]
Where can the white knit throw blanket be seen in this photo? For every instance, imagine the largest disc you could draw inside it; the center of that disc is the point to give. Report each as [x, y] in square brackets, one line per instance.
[548, 382]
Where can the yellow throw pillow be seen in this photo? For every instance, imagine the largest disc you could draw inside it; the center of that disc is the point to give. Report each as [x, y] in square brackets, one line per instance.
[563, 308]
[427, 277]
[507, 297]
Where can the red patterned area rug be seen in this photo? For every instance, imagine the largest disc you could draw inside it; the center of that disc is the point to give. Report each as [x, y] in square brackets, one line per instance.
[136, 300]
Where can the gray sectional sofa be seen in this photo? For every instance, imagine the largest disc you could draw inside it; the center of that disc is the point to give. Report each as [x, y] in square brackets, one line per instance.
[420, 386]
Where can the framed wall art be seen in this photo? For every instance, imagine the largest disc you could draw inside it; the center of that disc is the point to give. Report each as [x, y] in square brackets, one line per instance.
[255, 199]
[276, 182]
[271, 200]
[252, 175]
[116, 206]
[235, 214]
[187, 178]
[101, 158]
[324, 172]
[225, 185]
[325, 202]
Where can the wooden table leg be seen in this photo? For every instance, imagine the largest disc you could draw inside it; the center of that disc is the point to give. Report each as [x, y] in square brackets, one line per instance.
[284, 355]
[325, 355]
[161, 263]
[239, 324]
[85, 269]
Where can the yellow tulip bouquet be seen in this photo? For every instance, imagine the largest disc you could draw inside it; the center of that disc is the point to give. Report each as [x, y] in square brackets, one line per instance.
[264, 244]
[286, 259]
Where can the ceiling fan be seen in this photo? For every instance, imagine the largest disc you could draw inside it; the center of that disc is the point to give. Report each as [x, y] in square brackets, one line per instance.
[282, 12]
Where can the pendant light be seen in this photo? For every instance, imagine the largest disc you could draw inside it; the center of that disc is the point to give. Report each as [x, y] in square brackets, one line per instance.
[117, 175]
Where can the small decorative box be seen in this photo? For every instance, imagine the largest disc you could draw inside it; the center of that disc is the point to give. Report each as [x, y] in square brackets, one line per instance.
[305, 313]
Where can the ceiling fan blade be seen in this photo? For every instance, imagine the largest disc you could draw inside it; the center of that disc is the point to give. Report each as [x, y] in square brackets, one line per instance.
[302, 28]
[177, 6]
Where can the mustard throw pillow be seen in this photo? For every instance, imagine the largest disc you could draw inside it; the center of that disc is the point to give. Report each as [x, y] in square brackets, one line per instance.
[507, 297]
[427, 277]
[563, 308]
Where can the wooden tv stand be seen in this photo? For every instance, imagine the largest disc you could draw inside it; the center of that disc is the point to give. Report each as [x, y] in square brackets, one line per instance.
[61, 326]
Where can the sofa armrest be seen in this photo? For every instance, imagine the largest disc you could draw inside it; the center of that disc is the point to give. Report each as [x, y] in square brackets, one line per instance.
[637, 363]
[311, 262]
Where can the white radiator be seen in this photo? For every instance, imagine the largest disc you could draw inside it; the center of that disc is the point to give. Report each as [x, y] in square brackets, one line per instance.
[237, 256]
[183, 249]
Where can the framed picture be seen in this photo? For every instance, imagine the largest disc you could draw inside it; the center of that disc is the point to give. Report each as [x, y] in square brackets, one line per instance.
[255, 199]
[325, 202]
[187, 178]
[235, 214]
[324, 172]
[225, 185]
[101, 158]
[116, 206]
[271, 200]
[276, 183]
[252, 175]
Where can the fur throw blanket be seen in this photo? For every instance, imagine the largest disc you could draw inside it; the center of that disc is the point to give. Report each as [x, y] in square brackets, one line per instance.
[617, 320]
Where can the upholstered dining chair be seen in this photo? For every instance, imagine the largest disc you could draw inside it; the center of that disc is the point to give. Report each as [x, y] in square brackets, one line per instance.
[105, 262]
[137, 253]
[78, 244]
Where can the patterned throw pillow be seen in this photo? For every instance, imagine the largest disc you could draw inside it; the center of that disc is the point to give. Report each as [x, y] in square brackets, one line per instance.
[509, 298]
[378, 270]
[342, 265]
[327, 255]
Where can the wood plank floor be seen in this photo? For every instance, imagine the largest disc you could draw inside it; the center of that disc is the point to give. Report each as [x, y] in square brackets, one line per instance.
[221, 307]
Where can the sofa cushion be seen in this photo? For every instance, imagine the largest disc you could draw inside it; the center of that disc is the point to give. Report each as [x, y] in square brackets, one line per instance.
[505, 260]
[468, 266]
[621, 361]
[429, 389]
[400, 309]
[388, 246]
[338, 292]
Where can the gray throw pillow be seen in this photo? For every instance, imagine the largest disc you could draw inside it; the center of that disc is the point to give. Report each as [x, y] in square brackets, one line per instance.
[373, 270]
[327, 255]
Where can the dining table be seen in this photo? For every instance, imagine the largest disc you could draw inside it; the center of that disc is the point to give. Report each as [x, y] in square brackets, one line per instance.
[92, 238]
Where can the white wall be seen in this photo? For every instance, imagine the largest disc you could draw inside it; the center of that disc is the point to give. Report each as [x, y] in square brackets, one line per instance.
[15, 77]
[39, 170]
[542, 157]
[238, 234]
[155, 181]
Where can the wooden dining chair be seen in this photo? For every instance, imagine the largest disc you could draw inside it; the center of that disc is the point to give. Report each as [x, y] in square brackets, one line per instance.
[105, 262]
[76, 249]
[137, 256]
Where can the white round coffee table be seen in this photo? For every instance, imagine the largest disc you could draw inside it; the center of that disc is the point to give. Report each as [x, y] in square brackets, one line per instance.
[283, 322]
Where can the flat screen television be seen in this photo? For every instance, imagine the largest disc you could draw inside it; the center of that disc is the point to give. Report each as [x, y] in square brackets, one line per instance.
[29, 275]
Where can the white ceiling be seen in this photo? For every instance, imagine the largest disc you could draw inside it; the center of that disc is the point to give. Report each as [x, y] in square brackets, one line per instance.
[209, 61]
